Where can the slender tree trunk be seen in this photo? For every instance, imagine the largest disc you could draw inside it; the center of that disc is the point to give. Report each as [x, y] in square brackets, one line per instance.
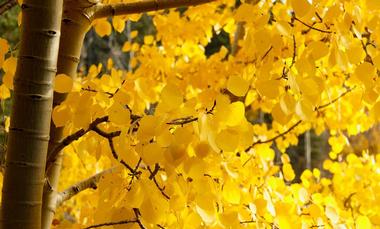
[308, 149]
[30, 117]
[74, 29]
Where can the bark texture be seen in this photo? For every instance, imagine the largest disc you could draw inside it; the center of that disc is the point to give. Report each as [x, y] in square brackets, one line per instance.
[30, 117]
[74, 29]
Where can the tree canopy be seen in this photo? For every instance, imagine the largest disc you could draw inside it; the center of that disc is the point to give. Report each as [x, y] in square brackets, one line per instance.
[173, 140]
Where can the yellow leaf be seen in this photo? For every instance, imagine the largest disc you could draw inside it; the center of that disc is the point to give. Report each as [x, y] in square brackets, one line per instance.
[244, 13]
[127, 46]
[284, 28]
[227, 140]
[4, 92]
[362, 222]
[102, 27]
[61, 115]
[237, 85]
[231, 192]
[288, 104]
[134, 197]
[171, 96]
[206, 207]
[235, 113]
[265, 152]
[315, 211]
[119, 115]
[8, 80]
[152, 153]
[118, 24]
[285, 158]
[373, 5]
[134, 17]
[332, 214]
[4, 46]
[63, 83]
[202, 149]
[304, 110]
[175, 155]
[122, 97]
[279, 116]
[318, 49]
[268, 88]
[365, 72]
[165, 138]
[288, 172]
[148, 40]
[283, 222]
[9, 65]
[301, 7]
[134, 34]
[356, 53]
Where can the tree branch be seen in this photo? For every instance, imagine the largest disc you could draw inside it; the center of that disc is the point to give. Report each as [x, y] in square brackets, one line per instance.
[153, 177]
[4, 7]
[141, 6]
[90, 182]
[311, 27]
[334, 100]
[275, 137]
[73, 137]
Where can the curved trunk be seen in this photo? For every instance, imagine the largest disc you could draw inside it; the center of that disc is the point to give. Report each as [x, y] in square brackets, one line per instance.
[74, 28]
[31, 111]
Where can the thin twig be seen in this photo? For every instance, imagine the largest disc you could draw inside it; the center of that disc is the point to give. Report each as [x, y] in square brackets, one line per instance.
[95, 91]
[153, 177]
[336, 99]
[285, 70]
[275, 137]
[190, 119]
[266, 53]
[311, 27]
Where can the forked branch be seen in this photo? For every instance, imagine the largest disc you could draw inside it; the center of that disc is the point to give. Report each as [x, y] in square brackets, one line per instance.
[71, 138]
[141, 6]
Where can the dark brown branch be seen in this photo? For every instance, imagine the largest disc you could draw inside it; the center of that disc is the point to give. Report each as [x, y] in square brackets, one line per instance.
[95, 91]
[190, 119]
[71, 138]
[285, 70]
[183, 121]
[275, 137]
[311, 27]
[88, 183]
[153, 177]
[137, 213]
[4, 7]
[266, 53]
[115, 9]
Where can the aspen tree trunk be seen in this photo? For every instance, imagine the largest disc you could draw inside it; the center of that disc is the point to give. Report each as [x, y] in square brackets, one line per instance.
[31, 111]
[74, 29]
